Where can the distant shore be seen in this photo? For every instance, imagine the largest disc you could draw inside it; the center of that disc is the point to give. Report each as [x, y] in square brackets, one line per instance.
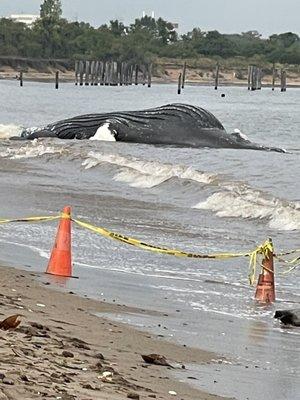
[63, 350]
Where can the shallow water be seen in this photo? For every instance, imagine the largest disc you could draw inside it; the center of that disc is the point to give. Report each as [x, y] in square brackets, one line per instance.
[202, 200]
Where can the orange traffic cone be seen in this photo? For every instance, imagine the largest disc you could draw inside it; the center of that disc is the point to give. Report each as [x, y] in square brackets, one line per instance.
[265, 290]
[60, 262]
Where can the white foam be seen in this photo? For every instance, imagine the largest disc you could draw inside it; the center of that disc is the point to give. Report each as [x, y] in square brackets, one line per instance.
[143, 173]
[251, 204]
[7, 131]
[104, 133]
[32, 149]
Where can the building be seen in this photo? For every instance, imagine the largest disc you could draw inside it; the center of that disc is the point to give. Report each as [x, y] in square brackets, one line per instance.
[27, 19]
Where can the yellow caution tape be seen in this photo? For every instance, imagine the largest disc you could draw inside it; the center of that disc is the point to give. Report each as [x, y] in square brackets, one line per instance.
[264, 250]
[29, 219]
[156, 249]
[288, 253]
[291, 264]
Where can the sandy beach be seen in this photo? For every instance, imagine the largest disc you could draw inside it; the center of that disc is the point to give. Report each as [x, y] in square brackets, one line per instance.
[166, 74]
[62, 350]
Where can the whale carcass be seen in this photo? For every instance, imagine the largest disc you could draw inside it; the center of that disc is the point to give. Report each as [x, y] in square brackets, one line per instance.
[172, 124]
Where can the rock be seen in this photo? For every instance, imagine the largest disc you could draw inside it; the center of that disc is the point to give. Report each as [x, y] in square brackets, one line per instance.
[2, 376]
[88, 386]
[67, 354]
[80, 344]
[99, 355]
[24, 378]
[288, 317]
[133, 396]
[153, 396]
[39, 326]
[156, 359]
[7, 381]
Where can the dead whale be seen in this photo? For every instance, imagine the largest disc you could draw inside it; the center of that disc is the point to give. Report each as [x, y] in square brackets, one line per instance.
[172, 124]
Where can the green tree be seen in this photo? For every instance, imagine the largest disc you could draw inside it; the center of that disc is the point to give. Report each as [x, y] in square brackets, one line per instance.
[48, 27]
[51, 10]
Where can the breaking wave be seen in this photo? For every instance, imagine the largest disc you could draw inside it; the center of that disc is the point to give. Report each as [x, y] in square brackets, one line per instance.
[146, 174]
[32, 149]
[9, 130]
[225, 199]
[248, 203]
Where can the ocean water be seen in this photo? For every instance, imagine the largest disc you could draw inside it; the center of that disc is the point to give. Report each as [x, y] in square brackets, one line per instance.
[201, 200]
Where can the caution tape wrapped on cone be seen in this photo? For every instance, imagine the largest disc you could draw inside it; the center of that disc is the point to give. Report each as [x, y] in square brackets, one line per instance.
[263, 251]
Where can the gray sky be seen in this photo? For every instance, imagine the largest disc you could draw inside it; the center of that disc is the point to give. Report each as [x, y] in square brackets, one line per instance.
[226, 16]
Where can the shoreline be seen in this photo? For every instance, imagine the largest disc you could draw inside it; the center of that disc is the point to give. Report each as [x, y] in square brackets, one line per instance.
[55, 352]
[154, 81]
[170, 80]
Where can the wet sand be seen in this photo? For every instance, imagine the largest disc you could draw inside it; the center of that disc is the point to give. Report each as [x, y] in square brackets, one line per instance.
[62, 350]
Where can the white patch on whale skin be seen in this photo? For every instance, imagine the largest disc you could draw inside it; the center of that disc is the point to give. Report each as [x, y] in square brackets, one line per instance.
[104, 133]
[241, 134]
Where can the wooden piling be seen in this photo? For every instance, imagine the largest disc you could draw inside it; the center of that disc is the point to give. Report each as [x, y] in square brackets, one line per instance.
[92, 72]
[87, 73]
[136, 74]
[249, 76]
[179, 83]
[116, 77]
[283, 80]
[273, 77]
[106, 73]
[131, 71]
[217, 76]
[258, 79]
[101, 73]
[97, 70]
[253, 78]
[76, 72]
[21, 78]
[149, 75]
[120, 66]
[183, 75]
[144, 69]
[111, 73]
[125, 74]
[56, 79]
[81, 70]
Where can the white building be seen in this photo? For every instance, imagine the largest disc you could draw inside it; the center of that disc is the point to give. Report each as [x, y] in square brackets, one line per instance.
[27, 19]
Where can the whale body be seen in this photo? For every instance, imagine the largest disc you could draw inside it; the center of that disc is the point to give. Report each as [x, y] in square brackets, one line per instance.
[172, 124]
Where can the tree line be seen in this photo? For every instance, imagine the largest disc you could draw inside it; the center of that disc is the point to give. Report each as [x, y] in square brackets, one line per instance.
[52, 36]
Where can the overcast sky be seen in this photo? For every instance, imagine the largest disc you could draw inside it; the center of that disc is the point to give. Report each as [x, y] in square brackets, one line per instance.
[226, 16]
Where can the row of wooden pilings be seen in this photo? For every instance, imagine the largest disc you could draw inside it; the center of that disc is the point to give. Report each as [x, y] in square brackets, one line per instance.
[255, 75]
[112, 73]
